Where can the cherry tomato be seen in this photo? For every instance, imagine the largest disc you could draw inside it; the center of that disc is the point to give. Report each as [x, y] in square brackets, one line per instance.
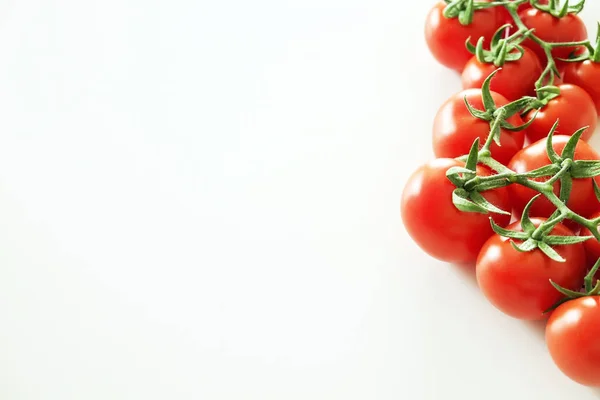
[586, 75]
[550, 29]
[455, 129]
[436, 225]
[582, 200]
[572, 336]
[592, 246]
[515, 80]
[518, 284]
[574, 109]
[446, 37]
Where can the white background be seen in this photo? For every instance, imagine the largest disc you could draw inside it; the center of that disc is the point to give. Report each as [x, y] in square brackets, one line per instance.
[200, 200]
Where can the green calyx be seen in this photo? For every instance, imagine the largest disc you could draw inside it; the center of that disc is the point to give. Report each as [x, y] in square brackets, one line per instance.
[501, 49]
[467, 197]
[589, 288]
[497, 116]
[557, 10]
[464, 9]
[532, 237]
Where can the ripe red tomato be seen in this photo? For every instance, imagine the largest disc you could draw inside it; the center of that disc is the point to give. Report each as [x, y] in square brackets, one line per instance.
[550, 29]
[586, 75]
[582, 200]
[518, 284]
[436, 225]
[574, 108]
[446, 37]
[515, 80]
[592, 246]
[572, 336]
[455, 129]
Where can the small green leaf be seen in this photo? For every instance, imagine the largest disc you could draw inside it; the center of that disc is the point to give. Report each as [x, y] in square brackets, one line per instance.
[571, 294]
[471, 49]
[528, 245]
[565, 240]
[472, 160]
[564, 11]
[585, 169]
[495, 129]
[483, 203]
[590, 277]
[460, 198]
[482, 55]
[508, 233]
[517, 106]
[552, 155]
[486, 95]
[519, 128]
[547, 170]
[459, 170]
[486, 116]
[557, 304]
[526, 223]
[569, 150]
[566, 185]
[550, 252]
[596, 189]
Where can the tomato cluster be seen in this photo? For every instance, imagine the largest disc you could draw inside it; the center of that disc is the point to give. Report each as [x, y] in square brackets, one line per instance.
[528, 106]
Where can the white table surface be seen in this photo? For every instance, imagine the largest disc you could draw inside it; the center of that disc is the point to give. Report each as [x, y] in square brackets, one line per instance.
[200, 200]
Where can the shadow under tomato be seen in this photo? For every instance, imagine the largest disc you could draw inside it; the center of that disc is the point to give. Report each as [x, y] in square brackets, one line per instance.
[596, 392]
[466, 272]
[538, 327]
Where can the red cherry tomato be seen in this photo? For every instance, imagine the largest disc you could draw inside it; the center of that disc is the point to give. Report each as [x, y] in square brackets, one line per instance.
[446, 37]
[436, 225]
[586, 75]
[550, 29]
[592, 246]
[574, 109]
[572, 336]
[582, 200]
[515, 80]
[518, 284]
[455, 129]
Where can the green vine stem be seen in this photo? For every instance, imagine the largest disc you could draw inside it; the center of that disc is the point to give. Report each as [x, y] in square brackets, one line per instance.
[563, 168]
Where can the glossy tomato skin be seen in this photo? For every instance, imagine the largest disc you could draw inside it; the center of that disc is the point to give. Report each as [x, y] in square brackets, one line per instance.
[592, 246]
[455, 129]
[586, 75]
[446, 37]
[518, 283]
[574, 109]
[436, 225]
[570, 28]
[572, 336]
[515, 80]
[583, 199]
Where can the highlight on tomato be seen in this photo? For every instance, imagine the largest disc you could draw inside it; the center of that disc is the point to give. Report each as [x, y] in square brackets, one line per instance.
[446, 37]
[518, 283]
[434, 222]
